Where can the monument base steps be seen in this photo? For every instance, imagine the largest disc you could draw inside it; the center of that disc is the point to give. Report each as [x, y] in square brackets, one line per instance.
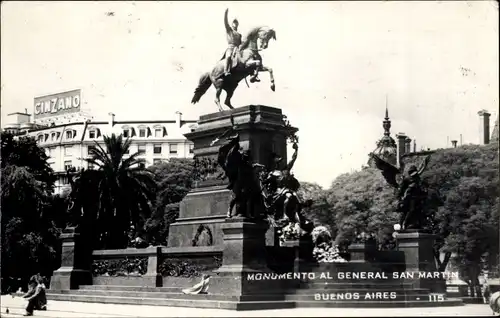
[292, 298]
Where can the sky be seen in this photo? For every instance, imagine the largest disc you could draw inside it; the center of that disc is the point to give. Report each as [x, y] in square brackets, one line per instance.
[335, 65]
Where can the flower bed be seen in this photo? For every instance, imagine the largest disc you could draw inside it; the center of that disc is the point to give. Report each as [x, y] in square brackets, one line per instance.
[326, 253]
[290, 232]
[324, 250]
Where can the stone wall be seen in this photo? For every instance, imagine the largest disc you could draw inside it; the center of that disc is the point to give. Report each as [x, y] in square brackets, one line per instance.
[153, 266]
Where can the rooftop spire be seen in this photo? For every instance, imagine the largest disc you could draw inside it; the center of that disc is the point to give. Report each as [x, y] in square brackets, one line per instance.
[386, 147]
[386, 123]
[386, 108]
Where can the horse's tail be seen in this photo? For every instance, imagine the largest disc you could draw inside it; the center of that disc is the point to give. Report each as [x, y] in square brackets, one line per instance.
[202, 88]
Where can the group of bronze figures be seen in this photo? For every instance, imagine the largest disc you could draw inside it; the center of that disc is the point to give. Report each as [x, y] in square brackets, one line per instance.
[260, 192]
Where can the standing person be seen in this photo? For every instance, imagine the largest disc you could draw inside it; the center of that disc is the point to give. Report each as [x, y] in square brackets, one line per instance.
[36, 297]
[233, 41]
[486, 291]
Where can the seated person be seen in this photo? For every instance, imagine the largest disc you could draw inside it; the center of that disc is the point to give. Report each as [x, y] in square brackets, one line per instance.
[37, 299]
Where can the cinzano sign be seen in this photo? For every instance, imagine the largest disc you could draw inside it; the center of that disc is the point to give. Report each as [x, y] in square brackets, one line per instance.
[57, 104]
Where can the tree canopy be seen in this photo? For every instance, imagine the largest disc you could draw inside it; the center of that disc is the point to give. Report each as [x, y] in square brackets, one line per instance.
[174, 179]
[29, 218]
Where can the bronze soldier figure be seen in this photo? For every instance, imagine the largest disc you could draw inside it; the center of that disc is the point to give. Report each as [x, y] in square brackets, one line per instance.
[411, 190]
[233, 41]
[282, 186]
[412, 194]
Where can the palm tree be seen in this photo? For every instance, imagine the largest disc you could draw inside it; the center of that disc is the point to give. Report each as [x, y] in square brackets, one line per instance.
[126, 189]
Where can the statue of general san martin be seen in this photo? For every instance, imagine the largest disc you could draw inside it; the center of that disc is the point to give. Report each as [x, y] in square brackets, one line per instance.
[240, 60]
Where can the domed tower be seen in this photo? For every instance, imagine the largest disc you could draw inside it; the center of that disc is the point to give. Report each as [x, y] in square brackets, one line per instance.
[386, 147]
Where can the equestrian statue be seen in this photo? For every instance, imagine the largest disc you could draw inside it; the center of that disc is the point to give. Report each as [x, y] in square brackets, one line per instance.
[240, 60]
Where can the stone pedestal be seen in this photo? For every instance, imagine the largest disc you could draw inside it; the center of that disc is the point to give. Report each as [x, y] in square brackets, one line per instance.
[362, 252]
[243, 261]
[362, 256]
[75, 264]
[302, 254]
[297, 261]
[419, 258]
[154, 259]
[262, 130]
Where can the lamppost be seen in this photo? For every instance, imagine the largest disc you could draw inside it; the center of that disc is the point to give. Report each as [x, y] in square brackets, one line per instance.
[397, 228]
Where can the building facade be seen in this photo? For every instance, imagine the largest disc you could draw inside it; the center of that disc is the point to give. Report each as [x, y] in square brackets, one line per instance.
[67, 142]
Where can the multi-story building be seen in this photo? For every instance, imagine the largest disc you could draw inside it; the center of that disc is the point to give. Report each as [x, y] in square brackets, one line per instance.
[67, 140]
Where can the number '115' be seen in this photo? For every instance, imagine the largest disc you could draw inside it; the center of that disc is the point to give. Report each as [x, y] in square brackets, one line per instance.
[435, 297]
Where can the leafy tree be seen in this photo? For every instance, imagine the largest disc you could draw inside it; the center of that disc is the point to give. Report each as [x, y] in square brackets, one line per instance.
[30, 214]
[126, 189]
[363, 203]
[321, 212]
[24, 152]
[174, 179]
[468, 217]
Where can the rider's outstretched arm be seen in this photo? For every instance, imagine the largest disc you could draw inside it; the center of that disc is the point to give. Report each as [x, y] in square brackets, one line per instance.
[226, 22]
[294, 158]
[423, 165]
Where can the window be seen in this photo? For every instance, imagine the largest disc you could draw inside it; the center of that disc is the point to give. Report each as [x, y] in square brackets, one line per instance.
[158, 132]
[126, 133]
[191, 148]
[156, 161]
[52, 151]
[92, 134]
[65, 180]
[69, 134]
[40, 138]
[53, 136]
[67, 165]
[141, 149]
[142, 132]
[68, 150]
[157, 148]
[173, 148]
[89, 148]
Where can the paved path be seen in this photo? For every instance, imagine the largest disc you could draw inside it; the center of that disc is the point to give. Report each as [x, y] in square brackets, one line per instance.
[77, 309]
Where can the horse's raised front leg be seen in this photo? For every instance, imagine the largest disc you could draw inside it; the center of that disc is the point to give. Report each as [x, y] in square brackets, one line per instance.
[229, 95]
[256, 65]
[263, 68]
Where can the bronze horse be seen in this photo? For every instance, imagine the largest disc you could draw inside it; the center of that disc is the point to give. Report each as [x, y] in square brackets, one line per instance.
[246, 62]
